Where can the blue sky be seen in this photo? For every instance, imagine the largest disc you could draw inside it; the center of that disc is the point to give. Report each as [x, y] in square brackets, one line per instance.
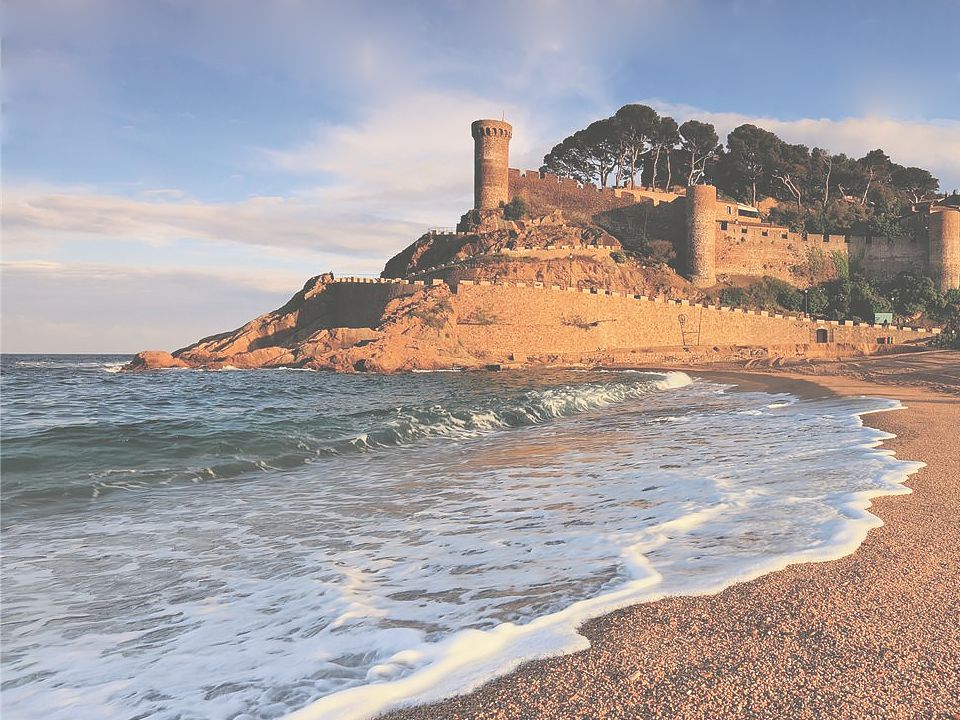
[172, 168]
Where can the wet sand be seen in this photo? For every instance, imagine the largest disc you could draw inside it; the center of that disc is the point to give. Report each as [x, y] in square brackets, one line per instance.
[875, 634]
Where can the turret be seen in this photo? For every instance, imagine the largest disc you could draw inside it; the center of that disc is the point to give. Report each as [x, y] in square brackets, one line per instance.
[702, 235]
[944, 234]
[491, 141]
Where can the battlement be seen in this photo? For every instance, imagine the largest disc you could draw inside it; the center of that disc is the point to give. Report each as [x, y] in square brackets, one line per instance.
[503, 321]
[457, 286]
[491, 128]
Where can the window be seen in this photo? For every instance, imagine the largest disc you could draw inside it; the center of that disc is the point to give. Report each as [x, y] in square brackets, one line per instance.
[743, 231]
[723, 224]
[821, 335]
[783, 236]
[729, 210]
[765, 233]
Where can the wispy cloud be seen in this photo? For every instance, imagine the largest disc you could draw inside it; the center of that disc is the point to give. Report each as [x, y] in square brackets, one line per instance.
[54, 307]
[44, 216]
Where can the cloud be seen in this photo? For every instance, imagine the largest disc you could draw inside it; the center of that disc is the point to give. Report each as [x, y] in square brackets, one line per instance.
[404, 167]
[49, 216]
[932, 144]
[58, 308]
[411, 158]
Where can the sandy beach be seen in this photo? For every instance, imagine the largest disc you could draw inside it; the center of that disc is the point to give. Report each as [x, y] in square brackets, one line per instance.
[875, 634]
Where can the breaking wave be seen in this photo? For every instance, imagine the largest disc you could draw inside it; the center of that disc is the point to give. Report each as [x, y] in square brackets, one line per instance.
[384, 540]
[236, 450]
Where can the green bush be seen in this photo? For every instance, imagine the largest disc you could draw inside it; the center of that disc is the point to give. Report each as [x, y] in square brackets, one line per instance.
[516, 209]
[817, 301]
[773, 294]
[618, 257]
[842, 263]
[733, 297]
[912, 294]
[866, 299]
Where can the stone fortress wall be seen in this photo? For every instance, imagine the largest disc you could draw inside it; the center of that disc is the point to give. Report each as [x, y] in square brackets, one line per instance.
[507, 321]
[759, 249]
[513, 321]
[545, 192]
[717, 240]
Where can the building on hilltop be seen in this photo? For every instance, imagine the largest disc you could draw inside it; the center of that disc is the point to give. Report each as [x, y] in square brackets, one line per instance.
[721, 237]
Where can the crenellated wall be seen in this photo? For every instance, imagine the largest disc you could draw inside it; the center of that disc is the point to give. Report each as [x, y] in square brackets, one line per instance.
[515, 320]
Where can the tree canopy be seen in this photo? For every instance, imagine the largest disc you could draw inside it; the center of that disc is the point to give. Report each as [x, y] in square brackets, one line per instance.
[817, 190]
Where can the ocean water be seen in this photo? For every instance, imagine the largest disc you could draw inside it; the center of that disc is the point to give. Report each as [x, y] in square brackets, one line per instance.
[252, 544]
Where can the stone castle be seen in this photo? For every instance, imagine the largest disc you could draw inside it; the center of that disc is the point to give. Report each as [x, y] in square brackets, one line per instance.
[718, 237]
[555, 288]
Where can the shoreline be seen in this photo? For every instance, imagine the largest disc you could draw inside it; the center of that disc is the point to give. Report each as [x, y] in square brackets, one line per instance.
[875, 633]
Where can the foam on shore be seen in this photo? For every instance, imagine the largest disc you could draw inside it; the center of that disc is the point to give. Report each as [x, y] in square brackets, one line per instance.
[484, 518]
[467, 660]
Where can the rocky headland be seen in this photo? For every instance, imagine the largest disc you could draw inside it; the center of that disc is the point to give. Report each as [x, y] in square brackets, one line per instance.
[413, 325]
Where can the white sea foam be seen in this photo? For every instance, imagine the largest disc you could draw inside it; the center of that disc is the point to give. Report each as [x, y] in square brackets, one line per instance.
[365, 582]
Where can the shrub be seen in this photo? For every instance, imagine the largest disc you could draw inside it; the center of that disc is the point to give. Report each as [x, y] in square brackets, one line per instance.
[842, 263]
[773, 294]
[838, 297]
[866, 299]
[817, 300]
[516, 209]
[733, 297]
[434, 315]
[618, 257]
[912, 294]
[578, 321]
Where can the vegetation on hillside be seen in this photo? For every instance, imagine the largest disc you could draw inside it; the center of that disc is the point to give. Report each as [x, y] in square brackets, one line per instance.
[911, 298]
[817, 190]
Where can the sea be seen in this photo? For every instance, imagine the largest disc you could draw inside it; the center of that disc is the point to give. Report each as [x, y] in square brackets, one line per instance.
[268, 543]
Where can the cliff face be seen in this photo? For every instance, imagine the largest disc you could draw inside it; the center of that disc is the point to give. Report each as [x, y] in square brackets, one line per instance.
[335, 326]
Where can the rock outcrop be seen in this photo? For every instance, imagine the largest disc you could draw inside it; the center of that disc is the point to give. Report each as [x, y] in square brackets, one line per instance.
[402, 328]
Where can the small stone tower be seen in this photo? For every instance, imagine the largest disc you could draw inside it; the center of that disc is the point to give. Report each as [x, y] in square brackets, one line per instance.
[491, 142]
[702, 235]
[944, 234]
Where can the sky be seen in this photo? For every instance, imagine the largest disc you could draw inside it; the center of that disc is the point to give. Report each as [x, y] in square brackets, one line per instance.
[173, 168]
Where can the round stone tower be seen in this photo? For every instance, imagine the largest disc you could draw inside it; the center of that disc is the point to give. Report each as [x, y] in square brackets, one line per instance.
[944, 234]
[702, 235]
[491, 143]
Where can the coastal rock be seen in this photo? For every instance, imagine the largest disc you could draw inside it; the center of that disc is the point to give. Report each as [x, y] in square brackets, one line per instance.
[154, 360]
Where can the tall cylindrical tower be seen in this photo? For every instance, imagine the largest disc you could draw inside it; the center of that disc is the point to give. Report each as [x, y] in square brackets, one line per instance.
[491, 143]
[944, 234]
[702, 235]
